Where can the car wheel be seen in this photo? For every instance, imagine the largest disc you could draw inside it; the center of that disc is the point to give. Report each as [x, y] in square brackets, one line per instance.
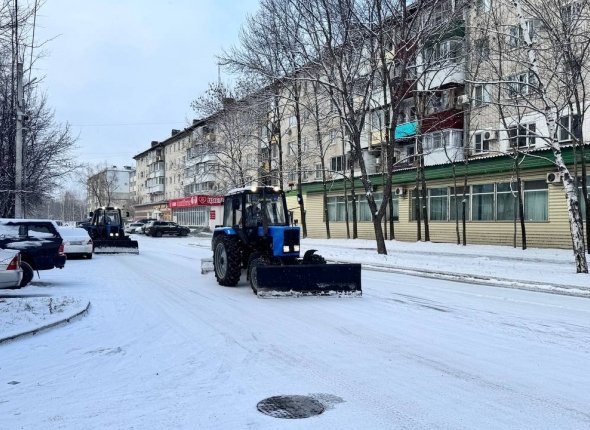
[28, 274]
[158, 234]
[89, 256]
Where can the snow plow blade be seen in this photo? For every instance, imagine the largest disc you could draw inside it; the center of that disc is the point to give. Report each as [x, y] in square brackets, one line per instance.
[309, 280]
[115, 246]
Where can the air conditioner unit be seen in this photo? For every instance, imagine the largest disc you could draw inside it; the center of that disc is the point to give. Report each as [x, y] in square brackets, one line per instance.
[399, 191]
[553, 178]
[463, 99]
[489, 135]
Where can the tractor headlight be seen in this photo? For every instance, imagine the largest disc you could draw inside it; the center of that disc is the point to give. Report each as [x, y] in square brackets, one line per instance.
[286, 249]
[295, 248]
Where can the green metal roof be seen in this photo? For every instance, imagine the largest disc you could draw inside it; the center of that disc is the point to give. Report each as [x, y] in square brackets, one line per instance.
[474, 167]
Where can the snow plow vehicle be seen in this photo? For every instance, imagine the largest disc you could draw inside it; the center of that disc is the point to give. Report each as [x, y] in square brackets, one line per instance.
[106, 228]
[256, 237]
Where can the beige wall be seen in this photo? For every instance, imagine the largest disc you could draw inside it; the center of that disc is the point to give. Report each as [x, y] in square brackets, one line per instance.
[553, 233]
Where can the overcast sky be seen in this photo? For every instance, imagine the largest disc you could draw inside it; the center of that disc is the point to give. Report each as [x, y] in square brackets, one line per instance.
[123, 72]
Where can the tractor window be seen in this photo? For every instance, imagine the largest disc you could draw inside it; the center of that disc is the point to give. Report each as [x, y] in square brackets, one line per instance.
[253, 210]
[232, 212]
[275, 210]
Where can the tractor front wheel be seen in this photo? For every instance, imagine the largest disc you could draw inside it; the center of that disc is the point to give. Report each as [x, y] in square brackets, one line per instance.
[227, 261]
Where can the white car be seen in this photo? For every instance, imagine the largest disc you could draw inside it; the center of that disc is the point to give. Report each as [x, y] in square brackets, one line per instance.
[77, 241]
[11, 273]
[134, 227]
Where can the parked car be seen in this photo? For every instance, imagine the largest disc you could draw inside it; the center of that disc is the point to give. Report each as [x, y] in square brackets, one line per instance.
[11, 274]
[145, 222]
[134, 227]
[40, 244]
[83, 223]
[160, 228]
[146, 225]
[77, 241]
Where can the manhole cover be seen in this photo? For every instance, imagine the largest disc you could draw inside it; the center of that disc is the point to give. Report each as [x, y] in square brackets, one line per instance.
[290, 407]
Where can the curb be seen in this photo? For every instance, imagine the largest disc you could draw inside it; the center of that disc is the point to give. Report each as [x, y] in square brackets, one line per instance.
[34, 331]
[542, 287]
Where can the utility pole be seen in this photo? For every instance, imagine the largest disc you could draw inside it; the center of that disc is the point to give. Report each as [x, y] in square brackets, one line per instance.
[18, 167]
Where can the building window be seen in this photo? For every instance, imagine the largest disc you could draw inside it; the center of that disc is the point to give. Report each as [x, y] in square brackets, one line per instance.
[438, 204]
[318, 171]
[456, 203]
[482, 48]
[569, 127]
[337, 163]
[482, 202]
[522, 135]
[292, 148]
[336, 209]
[536, 201]
[481, 95]
[483, 5]
[448, 50]
[480, 144]
[521, 84]
[506, 201]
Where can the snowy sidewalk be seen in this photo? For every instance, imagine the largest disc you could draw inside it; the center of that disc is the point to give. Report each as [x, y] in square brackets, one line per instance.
[547, 270]
[25, 314]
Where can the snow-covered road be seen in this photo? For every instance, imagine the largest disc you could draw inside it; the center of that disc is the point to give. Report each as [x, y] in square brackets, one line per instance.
[164, 347]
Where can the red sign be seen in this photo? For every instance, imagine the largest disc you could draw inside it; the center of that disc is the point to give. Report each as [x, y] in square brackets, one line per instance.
[212, 215]
[193, 201]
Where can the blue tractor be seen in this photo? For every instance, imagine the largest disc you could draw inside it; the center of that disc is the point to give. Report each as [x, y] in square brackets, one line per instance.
[256, 237]
[106, 228]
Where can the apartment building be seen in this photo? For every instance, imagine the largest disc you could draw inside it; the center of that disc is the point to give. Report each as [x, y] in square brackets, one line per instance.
[111, 186]
[173, 176]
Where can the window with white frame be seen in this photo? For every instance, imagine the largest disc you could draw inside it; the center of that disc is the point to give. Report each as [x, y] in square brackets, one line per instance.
[436, 140]
[450, 50]
[481, 95]
[292, 121]
[569, 127]
[337, 163]
[522, 135]
[275, 151]
[292, 148]
[515, 37]
[318, 171]
[480, 144]
[521, 84]
[483, 5]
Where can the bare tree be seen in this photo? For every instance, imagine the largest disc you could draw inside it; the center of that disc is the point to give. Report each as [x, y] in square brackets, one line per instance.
[47, 146]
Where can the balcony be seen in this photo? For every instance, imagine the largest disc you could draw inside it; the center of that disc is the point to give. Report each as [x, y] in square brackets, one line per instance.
[156, 189]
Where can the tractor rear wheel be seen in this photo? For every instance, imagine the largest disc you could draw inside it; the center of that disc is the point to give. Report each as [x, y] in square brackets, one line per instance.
[227, 261]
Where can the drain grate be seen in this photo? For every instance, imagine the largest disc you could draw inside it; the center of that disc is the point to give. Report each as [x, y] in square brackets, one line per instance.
[290, 407]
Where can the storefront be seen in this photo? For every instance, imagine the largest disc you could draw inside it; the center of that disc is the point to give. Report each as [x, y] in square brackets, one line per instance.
[197, 211]
[159, 211]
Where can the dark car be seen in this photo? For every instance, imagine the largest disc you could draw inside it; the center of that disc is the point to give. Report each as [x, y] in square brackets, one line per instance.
[160, 228]
[39, 242]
